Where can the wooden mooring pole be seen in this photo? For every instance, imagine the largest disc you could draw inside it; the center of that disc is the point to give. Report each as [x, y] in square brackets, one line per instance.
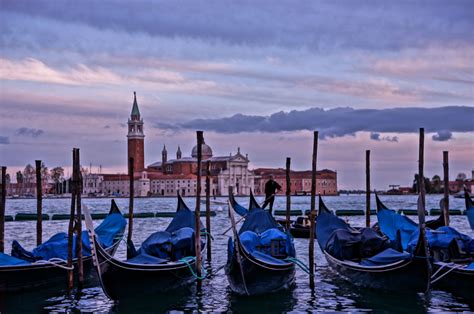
[70, 273]
[2, 209]
[39, 204]
[312, 215]
[131, 174]
[367, 188]
[422, 203]
[288, 192]
[208, 209]
[197, 233]
[446, 187]
[80, 264]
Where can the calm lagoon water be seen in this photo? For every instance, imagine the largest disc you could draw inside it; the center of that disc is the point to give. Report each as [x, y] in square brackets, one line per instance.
[331, 293]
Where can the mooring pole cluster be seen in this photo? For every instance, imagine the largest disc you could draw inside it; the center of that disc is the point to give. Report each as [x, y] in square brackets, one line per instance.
[197, 233]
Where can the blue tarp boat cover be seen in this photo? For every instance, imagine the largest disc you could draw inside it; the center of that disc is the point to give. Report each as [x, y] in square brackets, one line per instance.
[469, 209]
[7, 260]
[169, 246]
[176, 242]
[258, 221]
[144, 258]
[109, 230]
[387, 256]
[254, 242]
[470, 267]
[442, 239]
[344, 242]
[390, 222]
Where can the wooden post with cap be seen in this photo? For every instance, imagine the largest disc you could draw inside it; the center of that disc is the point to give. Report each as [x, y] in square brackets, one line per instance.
[72, 187]
[208, 209]
[288, 192]
[312, 215]
[2, 209]
[39, 204]
[80, 264]
[446, 187]
[367, 188]
[131, 174]
[197, 233]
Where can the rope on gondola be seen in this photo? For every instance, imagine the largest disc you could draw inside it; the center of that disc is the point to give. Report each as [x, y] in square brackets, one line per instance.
[186, 261]
[54, 262]
[298, 263]
[207, 234]
[456, 266]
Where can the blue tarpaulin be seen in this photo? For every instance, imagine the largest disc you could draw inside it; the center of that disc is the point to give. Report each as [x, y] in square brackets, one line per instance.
[109, 230]
[7, 260]
[258, 221]
[388, 256]
[443, 238]
[390, 222]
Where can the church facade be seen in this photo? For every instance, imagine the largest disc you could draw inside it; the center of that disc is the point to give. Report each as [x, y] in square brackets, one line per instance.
[168, 176]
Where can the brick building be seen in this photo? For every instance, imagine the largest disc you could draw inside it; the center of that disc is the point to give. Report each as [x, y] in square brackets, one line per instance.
[300, 181]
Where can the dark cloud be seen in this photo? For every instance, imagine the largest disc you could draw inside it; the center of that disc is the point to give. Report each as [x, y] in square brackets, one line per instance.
[313, 24]
[107, 127]
[346, 121]
[443, 135]
[4, 140]
[376, 137]
[29, 132]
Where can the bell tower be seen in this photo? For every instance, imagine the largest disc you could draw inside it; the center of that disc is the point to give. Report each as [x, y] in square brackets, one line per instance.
[136, 137]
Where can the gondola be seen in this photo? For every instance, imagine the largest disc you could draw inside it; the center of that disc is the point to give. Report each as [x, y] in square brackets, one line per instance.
[164, 262]
[469, 209]
[452, 252]
[368, 259]
[260, 254]
[26, 271]
[299, 228]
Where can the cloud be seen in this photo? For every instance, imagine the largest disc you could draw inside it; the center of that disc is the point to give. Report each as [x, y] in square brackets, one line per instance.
[346, 121]
[4, 140]
[317, 25]
[29, 132]
[376, 137]
[442, 136]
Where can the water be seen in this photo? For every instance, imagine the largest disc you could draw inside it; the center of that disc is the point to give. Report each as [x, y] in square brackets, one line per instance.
[331, 292]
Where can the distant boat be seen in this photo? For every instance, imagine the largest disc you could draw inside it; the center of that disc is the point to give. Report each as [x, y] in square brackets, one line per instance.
[214, 202]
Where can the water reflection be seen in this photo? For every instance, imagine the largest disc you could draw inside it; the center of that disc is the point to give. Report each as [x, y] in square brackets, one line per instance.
[280, 302]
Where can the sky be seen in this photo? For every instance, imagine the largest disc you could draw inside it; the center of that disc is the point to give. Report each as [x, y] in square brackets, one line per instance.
[259, 75]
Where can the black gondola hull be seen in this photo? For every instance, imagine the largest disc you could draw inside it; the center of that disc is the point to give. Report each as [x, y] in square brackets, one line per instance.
[260, 278]
[459, 282]
[122, 280]
[411, 275]
[22, 278]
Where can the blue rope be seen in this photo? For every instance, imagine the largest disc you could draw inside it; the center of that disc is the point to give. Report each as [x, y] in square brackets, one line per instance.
[186, 260]
[203, 232]
[299, 263]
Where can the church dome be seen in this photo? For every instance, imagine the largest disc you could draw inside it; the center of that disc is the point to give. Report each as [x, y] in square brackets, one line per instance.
[206, 151]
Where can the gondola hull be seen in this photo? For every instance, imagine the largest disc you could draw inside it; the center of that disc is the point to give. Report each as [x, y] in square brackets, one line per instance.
[458, 281]
[22, 278]
[411, 275]
[121, 280]
[260, 277]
